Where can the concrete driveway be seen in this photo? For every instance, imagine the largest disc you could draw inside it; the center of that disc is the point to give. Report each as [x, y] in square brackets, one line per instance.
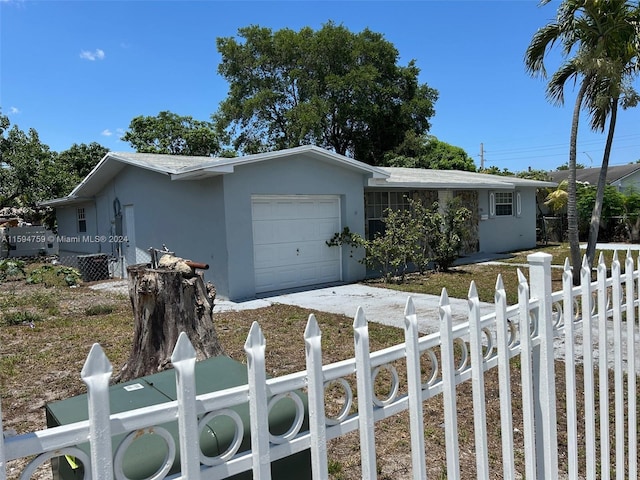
[380, 305]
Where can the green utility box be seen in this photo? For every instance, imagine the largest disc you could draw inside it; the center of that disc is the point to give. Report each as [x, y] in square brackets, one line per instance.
[146, 454]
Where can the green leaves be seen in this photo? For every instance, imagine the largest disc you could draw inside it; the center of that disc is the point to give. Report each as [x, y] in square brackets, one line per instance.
[330, 87]
[418, 236]
[172, 134]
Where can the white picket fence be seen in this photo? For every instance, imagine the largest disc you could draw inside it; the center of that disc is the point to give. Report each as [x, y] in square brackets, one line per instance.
[457, 354]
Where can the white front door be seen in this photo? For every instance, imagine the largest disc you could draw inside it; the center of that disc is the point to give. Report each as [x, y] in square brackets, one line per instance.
[289, 241]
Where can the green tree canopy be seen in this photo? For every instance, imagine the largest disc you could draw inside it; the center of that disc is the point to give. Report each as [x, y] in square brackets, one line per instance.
[332, 88]
[27, 175]
[426, 151]
[172, 134]
[79, 160]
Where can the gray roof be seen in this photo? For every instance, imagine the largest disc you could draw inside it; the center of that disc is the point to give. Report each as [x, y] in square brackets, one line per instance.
[451, 179]
[590, 175]
[179, 167]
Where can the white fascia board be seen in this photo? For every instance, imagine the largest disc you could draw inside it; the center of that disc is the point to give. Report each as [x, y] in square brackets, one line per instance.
[203, 172]
[381, 183]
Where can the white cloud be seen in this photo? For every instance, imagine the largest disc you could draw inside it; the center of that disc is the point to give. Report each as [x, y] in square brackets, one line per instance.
[106, 133]
[13, 110]
[97, 54]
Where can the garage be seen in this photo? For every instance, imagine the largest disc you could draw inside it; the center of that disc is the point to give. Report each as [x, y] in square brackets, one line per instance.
[289, 241]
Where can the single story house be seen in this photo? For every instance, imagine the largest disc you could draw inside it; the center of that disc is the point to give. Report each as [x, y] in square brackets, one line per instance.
[262, 221]
[623, 177]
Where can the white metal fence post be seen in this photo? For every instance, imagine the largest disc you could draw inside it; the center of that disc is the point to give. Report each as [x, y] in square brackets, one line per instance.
[589, 378]
[96, 374]
[603, 369]
[414, 386]
[526, 374]
[315, 378]
[258, 405]
[570, 370]
[365, 396]
[477, 381]
[184, 362]
[616, 293]
[544, 371]
[504, 373]
[631, 294]
[449, 387]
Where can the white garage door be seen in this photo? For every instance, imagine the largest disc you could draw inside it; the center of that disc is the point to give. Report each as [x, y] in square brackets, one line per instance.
[289, 241]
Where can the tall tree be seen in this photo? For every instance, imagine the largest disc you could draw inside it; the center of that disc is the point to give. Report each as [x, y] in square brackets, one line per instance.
[173, 134]
[617, 68]
[24, 163]
[332, 88]
[77, 161]
[590, 47]
[426, 151]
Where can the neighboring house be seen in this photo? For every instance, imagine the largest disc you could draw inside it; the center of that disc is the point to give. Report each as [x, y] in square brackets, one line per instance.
[623, 177]
[261, 221]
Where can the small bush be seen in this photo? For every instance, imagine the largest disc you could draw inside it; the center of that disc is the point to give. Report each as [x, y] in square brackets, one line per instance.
[99, 309]
[417, 237]
[54, 275]
[11, 268]
[20, 318]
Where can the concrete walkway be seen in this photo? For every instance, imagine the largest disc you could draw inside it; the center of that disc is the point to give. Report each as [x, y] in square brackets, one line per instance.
[380, 305]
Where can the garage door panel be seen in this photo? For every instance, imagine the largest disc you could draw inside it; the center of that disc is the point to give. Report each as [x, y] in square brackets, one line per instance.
[290, 235]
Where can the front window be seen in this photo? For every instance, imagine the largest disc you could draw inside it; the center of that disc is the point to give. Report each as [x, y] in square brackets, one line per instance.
[82, 221]
[377, 203]
[504, 203]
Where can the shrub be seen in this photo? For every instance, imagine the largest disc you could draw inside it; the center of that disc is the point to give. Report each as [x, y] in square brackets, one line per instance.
[20, 318]
[54, 275]
[11, 268]
[418, 236]
[99, 309]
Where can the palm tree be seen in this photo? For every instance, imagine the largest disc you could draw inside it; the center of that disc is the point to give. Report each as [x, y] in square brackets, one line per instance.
[599, 41]
[614, 88]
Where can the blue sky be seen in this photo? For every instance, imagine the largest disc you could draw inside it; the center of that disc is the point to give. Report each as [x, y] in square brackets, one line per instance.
[79, 71]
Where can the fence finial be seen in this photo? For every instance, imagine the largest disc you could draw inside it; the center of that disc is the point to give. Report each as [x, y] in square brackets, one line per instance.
[183, 350]
[255, 337]
[521, 277]
[444, 298]
[360, 319]
[96, 363]
[473, 291]
[409, 308]
[312, 329]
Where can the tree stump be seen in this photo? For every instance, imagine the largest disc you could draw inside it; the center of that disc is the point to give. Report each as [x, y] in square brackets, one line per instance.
[165, 302]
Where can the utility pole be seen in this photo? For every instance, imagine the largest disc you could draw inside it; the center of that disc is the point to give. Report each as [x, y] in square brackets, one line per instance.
[482, 156]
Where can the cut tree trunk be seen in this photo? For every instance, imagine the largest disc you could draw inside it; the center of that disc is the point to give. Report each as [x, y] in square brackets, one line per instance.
[165, 302]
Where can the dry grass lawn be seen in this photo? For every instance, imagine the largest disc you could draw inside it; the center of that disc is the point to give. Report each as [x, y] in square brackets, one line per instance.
[40, 361]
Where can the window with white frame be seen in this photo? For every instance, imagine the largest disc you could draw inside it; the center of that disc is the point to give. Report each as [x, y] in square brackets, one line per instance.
[82, 220]
[501, 204]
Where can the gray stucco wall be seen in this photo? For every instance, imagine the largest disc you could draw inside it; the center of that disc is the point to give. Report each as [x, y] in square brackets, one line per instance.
[508, 233]
[183, 215]
[293, 176]
[71, 241]
[210, 220]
